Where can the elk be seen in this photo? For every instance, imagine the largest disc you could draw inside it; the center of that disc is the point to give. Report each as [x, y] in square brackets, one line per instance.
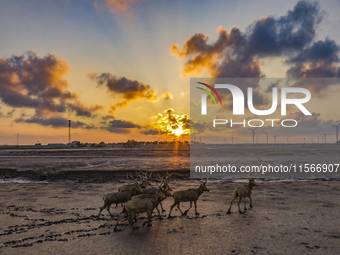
[114, 198]
[188, 196]
[139, 204]
[243, 192]
[164, 187]
[136, 188]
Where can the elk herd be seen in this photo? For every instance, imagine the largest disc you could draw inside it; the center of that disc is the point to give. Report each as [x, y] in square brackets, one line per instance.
[140, 197]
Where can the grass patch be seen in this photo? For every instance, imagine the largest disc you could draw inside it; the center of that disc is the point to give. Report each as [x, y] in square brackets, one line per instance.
[280, 153]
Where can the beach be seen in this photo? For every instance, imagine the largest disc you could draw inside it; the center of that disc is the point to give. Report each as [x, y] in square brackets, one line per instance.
[50, 199]
[300, 217]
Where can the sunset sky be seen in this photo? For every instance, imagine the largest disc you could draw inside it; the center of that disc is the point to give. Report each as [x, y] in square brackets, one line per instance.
[121, 69]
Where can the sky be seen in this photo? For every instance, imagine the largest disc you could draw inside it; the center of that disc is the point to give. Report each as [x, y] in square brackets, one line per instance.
[121, 70]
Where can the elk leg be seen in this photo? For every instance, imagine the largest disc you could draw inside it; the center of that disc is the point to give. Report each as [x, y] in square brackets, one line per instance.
[149, 213]
[149, 216]
[130, 221]
[108, 209]
[162, 207]
[120, 217]
[159, 214]
[171, 209]
[238, 204]
[251, 204]
[185, 213]
[100, 211]
[179, 208]
[231, 204]
[245, 208]
[195, 203]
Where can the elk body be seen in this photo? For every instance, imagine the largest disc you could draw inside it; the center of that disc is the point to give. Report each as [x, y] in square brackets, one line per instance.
[165, 189]
[190, 195]
[243, 192]
[139, 204]
[114, 198]
[133, 189]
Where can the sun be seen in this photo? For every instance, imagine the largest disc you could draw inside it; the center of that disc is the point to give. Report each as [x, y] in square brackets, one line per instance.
[177, 132]
[171, 125]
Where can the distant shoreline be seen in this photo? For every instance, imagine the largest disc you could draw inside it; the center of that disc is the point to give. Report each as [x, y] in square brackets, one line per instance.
[101, 165]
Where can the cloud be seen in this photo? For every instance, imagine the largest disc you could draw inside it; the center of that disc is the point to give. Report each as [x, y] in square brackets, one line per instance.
[150, 132]
[8, 115]
[81, 110]
[169, 110]
[237, 54]
[55, 122]
[107, 117]
[29, 81]
[167, 95]
[115, 6]
[121, 126]
[199, 127]
[156, 116]
[124, 88]
[316, 61]
[169, 124]
[269, 89]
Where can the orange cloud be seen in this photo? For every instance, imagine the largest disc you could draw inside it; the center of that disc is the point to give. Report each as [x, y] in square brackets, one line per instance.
[204, 55]
[171, 124]
[32, 82]
[38, 83]
[82, 110]
[167, 95]
[125, 88]
[115, 6]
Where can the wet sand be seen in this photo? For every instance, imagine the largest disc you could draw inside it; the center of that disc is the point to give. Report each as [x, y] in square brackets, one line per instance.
[286, 218]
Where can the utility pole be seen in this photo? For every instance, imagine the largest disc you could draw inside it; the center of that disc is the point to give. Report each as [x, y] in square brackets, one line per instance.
[69, 131]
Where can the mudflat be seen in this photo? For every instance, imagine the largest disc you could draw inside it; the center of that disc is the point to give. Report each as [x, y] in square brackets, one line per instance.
[299, 217]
